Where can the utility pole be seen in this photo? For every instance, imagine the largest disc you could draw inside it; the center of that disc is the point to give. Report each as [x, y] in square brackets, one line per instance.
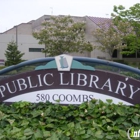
[16, 27]
[51, 10]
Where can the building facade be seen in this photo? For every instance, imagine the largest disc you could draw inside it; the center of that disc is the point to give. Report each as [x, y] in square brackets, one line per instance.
[22, 35]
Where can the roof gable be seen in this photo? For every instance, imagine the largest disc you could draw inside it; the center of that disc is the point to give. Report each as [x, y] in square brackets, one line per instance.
[105, 22]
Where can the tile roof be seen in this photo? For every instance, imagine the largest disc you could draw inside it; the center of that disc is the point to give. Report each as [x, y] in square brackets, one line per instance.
[99, 21]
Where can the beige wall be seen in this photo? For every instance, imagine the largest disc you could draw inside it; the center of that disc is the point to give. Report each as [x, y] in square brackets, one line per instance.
[24, 29]
[24, 43]
[23, 35]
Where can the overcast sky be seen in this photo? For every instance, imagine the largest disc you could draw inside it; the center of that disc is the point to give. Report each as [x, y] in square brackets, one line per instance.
[14, 12]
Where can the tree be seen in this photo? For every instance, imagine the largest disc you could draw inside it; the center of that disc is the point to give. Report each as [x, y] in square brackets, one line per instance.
[62, 35]
[131, 16]
[108, 38]
[12, 54]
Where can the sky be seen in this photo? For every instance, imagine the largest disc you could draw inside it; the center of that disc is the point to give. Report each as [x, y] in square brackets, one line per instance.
[14, 12]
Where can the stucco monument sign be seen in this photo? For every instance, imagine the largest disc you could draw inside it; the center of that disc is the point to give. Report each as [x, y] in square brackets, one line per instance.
[69, 82]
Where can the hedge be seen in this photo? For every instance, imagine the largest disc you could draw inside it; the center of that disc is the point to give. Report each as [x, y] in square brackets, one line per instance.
[94, 120]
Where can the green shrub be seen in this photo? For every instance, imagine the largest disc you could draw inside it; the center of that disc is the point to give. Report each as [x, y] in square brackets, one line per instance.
[130, 74]
[2, 67]
[121, 61]
[95, 120]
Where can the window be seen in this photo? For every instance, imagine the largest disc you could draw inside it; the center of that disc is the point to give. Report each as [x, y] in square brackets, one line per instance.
[114, 55]
[36, 49]
[138, 53]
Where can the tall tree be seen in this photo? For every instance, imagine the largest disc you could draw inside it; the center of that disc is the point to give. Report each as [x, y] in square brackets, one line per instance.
[62, 34]
[12, 54]
[108, 38]
[131, 16]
